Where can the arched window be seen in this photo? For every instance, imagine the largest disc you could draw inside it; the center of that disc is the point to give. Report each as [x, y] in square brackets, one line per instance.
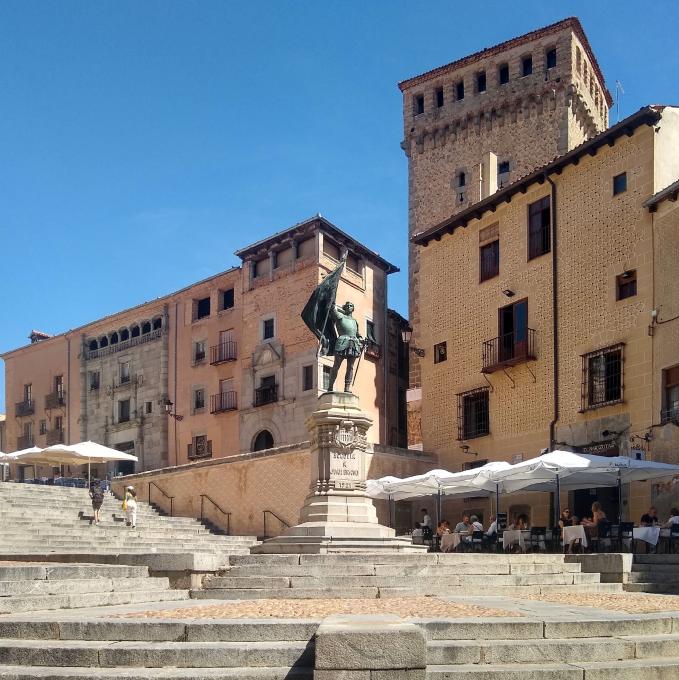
[145, 328]
[93, 344]
[103, 341]
[264, 440]
[114, 338]
[157, 323]
[124, 335]
[135, 331]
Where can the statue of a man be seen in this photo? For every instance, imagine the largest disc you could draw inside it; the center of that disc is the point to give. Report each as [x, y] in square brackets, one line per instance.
[349, 343]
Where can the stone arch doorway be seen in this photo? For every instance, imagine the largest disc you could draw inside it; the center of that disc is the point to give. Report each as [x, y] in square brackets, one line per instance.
[263, 440]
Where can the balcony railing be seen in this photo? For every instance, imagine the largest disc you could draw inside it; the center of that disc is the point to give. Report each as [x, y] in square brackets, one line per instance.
[55, 400]
[55, 437]
[225, 401]
[25, 441]
[225, 351]
[125, 344]
[670, 416]
[25, 408]
[266, 395]
[508, 349]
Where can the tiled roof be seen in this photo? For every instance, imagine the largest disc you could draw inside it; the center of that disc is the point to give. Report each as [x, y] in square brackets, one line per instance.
[670, 193]
[649, 115]
[570, 22]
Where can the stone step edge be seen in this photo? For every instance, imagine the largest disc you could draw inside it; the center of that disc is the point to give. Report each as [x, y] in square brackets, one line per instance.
[131, 673]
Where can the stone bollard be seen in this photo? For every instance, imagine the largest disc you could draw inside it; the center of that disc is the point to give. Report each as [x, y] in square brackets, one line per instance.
[369, 648]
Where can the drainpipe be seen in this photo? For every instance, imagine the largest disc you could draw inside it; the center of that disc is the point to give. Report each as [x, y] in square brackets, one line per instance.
[555, 316]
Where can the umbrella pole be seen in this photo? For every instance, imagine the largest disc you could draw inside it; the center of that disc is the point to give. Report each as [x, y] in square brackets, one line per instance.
[438, 506]
[557, 505]
[497, 500]
[89, 480]
[391, 525]
[619, 498]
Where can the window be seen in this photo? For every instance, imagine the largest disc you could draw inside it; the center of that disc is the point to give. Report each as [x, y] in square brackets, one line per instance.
[201, 308]
[539, 236]
[103, 342]
[268, 330]
[267, 393]
[124, 372]
[489, 256]
[28, 392]
[459, 90]
[93, 346]
[461, 179]
[157, 324]
[145, 328]
[578, 59]
[124, 411]
[94, 380]
[503, 174]
[149, 407]
[124, 334]
[114, 338]
[326, 378]
[227, 299]
[331, 249]
[473, 414]
[353, 263]
[527, 65]
[671, 395]
[440, 352]
[626, 284]
[439, 97]
[198, 351]
[134, 332]
[473, 464]
[263, 440]
[370, 331]
[43, 427]
[200, 447]
[59, 385]
[307, 378]
[199, 399]
[59, 423]
[620, 184]
[602, 377]
[515, 339]
[503, 74]
[550, 58]
[418, 104]
[481, 82]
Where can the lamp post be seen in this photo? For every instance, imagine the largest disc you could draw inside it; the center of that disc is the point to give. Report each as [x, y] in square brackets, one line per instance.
[168, 411]
[406, 335]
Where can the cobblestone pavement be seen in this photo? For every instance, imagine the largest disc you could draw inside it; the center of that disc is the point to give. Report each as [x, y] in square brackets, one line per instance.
[631, 603]
[407, 607]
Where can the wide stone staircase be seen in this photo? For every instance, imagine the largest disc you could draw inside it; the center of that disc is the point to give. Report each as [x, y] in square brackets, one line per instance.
[396, 575]
[517, 648]
[654, 574]
[47, 520]
[36, 587]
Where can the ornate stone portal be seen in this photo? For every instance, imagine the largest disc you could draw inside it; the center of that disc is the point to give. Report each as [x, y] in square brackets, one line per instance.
[337, 516]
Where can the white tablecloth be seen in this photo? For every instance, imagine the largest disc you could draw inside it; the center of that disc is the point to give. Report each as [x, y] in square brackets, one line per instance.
[515, 537]
[572, 534]
[648, 534]
[450, 541]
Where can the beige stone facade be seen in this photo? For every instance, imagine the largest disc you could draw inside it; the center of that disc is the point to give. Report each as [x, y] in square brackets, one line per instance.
[585, 368]
[229, 358]
[485, 120]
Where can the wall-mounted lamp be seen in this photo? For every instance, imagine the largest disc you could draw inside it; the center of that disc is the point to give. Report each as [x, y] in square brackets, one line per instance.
[609, 433]
[466, 451]
[508, 293]
[406, 335]
[168, 410]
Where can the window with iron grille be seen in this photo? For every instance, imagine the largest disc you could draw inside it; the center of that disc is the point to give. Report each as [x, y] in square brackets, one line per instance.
[671, 395]
[473, 414]
[539, 237]
[200, 447]
[440, 352]
[602, 382]
[626, 285]
[489, 260]
[199, 399]
[43, 427]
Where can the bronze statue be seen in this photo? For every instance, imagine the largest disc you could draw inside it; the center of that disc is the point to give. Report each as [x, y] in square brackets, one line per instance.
[335, 327]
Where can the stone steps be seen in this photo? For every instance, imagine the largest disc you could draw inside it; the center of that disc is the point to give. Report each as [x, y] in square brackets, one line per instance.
[51, 673]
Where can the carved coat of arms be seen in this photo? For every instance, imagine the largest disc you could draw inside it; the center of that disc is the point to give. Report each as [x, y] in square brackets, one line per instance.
[345, 435]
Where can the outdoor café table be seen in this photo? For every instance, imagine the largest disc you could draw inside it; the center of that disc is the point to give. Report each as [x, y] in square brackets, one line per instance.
[648, 534]
[450, 541]
[570, 534]
[515, 536]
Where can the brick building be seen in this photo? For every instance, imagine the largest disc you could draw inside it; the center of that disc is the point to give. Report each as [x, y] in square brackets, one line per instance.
[549, 314]
[221, 367]
[485, 120]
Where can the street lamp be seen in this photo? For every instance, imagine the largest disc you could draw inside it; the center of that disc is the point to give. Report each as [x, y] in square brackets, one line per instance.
[406, 335]
[168, 410]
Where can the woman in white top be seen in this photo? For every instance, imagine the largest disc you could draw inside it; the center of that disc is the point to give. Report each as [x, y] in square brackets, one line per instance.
[131, 506]
[674, 518]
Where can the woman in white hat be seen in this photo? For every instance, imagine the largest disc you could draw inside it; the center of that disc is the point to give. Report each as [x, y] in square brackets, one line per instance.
[130, 508]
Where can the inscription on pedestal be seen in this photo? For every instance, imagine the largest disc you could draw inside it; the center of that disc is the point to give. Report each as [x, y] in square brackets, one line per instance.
[345, 469]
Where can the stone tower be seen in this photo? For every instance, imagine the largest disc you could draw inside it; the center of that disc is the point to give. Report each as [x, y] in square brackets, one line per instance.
[481, 122]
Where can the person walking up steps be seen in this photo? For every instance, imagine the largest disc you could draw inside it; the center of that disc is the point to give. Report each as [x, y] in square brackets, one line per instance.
[130, 506]
[97, 496]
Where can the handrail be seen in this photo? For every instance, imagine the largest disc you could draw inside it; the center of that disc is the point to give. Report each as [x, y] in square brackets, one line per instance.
[167, 495]
[203, 496]
[280, 519]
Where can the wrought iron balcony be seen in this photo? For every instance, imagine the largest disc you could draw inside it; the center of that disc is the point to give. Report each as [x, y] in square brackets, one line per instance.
[25, 441]
[55, 437]
[508, 350]
[225, 401]
[670, 416]
[55, 400]
[25, 408]
[266, 395]
[225, 351]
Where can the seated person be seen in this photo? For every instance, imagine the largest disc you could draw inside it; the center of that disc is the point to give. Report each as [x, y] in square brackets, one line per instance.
[576, 521]
[565, 520]
[646, 520]
[674, 518]
[475, 524]
[520, 523]
[417, 531]
[598, 517]
[653, 515]
[442, 528]
[492, 529]
[463, 526]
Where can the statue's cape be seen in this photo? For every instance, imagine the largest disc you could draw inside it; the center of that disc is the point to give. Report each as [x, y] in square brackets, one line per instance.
[317, 312]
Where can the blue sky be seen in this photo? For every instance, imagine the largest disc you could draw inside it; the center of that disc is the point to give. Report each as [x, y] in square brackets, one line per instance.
[143, 142]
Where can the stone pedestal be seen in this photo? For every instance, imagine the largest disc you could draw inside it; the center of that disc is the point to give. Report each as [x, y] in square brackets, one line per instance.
[337, 516]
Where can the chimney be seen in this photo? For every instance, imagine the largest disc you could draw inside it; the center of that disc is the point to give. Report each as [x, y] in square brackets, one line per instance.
[488, 175]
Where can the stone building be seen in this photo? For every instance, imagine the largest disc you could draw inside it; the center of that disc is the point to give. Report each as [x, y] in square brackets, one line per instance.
[549, 314]
[221, 367]
[485, 120]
